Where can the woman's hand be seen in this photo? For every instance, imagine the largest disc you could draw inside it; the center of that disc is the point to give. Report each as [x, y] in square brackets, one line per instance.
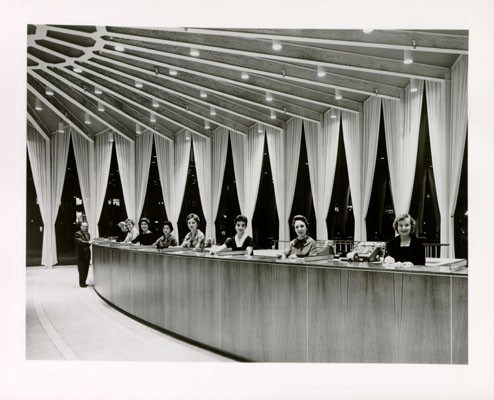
[408, 264]
[389, 260]
[292, 256]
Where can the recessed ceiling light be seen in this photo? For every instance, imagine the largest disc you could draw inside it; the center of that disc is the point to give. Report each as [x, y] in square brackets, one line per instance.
[152, 117]
[60, 127]
[413, 85]
[260, 128]
[337, 94]
[37, 105]
[203, 94]
[407, 57]
[320, 71]
[245, 75]
[269, 97]
[77, 69]
[97, 91]
[139, 85]
[333, 113]
[273, 115]
[276, 45]
[368, 30]
[173, 72]
[101, 107]
[49, 92]
[212, 111]
[87, 119]
[138, 129]
[194, 52]
[119, 48]
[207, 125]
[155, 103]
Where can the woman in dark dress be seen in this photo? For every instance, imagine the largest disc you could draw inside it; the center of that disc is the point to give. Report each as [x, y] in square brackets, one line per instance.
[241, 241]
[405, 247]
[146, 238]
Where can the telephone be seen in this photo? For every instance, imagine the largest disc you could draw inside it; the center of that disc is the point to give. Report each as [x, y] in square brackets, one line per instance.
[367, 251]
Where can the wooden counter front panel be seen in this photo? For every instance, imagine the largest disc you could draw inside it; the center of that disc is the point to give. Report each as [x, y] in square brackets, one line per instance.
[263, 315]
[275, 312]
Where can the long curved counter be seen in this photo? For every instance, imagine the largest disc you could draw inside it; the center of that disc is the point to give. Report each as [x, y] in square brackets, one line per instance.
[270, 310]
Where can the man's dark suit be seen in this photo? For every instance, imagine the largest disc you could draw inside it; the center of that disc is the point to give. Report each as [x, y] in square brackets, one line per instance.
[83, 254]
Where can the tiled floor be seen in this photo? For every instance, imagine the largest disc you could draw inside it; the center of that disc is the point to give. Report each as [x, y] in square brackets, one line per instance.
[64, 321]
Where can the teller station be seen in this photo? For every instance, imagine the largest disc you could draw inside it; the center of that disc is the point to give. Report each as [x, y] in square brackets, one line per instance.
[261, 308]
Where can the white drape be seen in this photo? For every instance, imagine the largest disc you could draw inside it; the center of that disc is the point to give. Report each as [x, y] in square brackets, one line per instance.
[372, 117]
[202, 155]
[352, 137]
[166, 168]
[82, 149]
[143, 146]
[59, 153]
[102, 158]
[181, 164]
[39, 158]
[125, 150]
[239, 147]
[401, 122]
[219, 140]
[276, 149]
[322, 151]
[458, 127]
[252, 173]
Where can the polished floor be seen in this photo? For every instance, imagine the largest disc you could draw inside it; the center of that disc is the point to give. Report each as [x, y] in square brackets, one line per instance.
[65, 322]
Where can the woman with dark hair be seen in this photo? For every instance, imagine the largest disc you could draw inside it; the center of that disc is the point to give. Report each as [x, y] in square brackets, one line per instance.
[303, 245]
[405, 247]
[146, 238]
[195, 238]
[168, 238]
[240, 241]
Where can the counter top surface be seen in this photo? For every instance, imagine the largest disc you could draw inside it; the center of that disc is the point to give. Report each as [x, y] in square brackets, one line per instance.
[434, 266]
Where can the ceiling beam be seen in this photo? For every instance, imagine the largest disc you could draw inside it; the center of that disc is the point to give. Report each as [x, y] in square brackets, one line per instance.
[259, 83]
[37, 123]
[82, 102]
[120, 107]
[384, 39]
[62, 112]
[217, 102]
[291, 53]
[230, 92]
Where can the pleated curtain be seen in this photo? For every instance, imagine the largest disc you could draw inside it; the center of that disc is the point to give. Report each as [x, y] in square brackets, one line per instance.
[59, 144]
[143, 150]
[458, 127]
[219, 139]
[447, 112]
[370, 139]
[39, 158]
[83, 149]
[252, 173]
[292, 154]
[322, 150]
[239, 147]
[125, 150]
[181, 165]
[276, 148]
[166, 168]
[352, 137]
[102, 158]
[401, 123]
[202, 154]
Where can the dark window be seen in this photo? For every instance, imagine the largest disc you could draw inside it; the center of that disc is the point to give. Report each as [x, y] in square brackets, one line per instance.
[461, 212]
[302, 199]
[70, 212]
[340, 220]
[114, 205]
[229, 207]
[34, 222]
[380, 215]
[154, 205]
[424, 206]
[192, 200]
[265, 223]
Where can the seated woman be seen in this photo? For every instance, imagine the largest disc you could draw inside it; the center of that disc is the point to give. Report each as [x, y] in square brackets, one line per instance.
[405, 247]
[123, 231]
[168, 238]
[132, 231]
[303, 245]
[195, 238]
[146, 238]
[240, 241]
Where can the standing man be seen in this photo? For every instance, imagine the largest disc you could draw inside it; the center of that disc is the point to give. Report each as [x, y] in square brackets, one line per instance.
[83, 252]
